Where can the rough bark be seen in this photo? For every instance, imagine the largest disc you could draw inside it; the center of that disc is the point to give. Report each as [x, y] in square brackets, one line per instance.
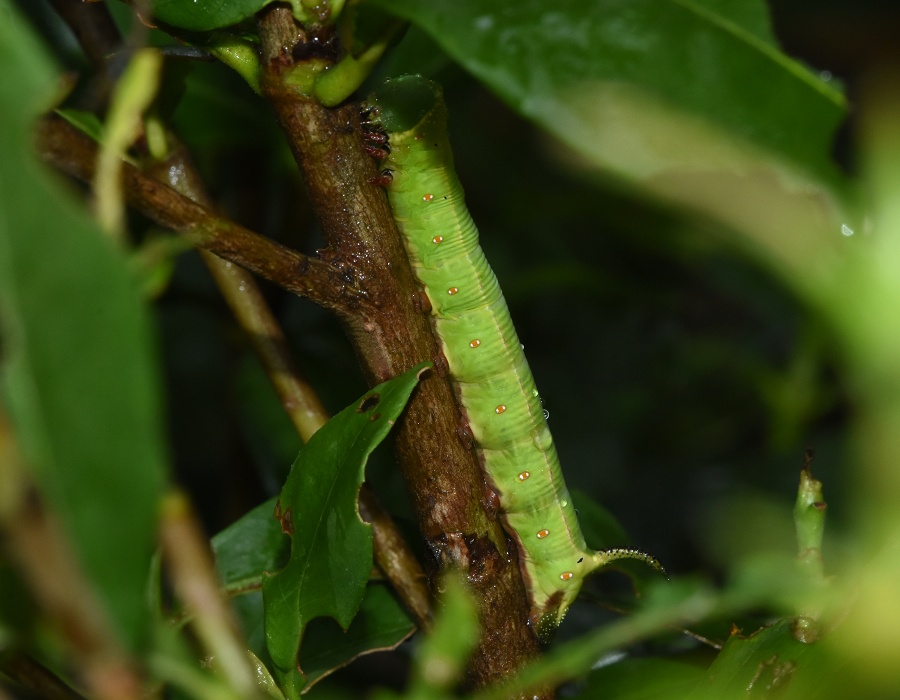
[390, 334]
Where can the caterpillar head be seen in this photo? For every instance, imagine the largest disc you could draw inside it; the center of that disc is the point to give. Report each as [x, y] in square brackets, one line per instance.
[400, 104]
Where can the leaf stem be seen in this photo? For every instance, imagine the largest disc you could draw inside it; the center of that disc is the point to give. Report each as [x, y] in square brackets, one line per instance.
[191, 568]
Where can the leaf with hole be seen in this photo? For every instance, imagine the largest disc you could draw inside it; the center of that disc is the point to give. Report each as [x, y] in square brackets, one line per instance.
[331, 548]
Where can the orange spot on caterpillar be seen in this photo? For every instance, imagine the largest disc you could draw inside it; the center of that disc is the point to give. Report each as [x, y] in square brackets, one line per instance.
[475, 343]
[437, 239]
[542, 534]
[427, 197]
[524, 475]
[452, 290]
[566, 575]
[500, 409]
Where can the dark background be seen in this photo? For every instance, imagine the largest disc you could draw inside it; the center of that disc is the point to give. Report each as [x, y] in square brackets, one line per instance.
[683, 381]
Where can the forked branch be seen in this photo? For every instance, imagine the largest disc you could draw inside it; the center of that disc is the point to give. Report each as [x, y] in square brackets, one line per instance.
[69, 150]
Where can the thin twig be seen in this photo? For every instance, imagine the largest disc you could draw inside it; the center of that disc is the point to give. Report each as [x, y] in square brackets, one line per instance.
[94, 28]
[395, 559]
[300, 401]
[241, 292]
[35, 678]
[192, 570]
[37, 542]
[74, 153]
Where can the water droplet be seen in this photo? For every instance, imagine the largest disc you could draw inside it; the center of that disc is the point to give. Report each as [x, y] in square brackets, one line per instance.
[427, 197]
[484, 23]
[241, 288]
[500, 409]
[546, 414]
[452, 290]
[564, 503]
[825, 76]
[542, 534]
[541, 438]
[846, 230]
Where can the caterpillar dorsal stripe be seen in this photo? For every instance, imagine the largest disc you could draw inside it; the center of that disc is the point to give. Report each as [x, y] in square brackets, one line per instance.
[485, 359]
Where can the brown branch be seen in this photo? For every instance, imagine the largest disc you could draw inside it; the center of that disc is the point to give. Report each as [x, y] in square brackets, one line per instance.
[74, 153]
[245, 299]
[192, 572]
[34, 677]
[36, 541]
[300, 401]
[395, 559]
[302, 404]
[391, 335]
[94, 28]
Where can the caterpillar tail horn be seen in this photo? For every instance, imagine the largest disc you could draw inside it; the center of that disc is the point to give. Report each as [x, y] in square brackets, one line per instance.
[546, 619]
[604, 557]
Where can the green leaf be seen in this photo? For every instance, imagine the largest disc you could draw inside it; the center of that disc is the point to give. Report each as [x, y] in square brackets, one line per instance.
[381, 624]
[643, 679]
[254, 545]
[206, 14]
[133, 93]
[715, 59]
[440, 660]
[203, 15]
[690, 101]
[248, 548]
[772, 661]
[331, 548]
[85, 121]
[666, 605]
[78, 372]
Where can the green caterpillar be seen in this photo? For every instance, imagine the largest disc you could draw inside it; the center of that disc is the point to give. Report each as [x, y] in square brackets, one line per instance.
[494, 383]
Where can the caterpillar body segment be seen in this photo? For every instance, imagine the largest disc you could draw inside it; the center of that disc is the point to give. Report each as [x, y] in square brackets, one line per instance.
[494, 383]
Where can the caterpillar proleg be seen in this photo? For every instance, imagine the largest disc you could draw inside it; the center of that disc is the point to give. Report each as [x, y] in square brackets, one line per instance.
[494, 383]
